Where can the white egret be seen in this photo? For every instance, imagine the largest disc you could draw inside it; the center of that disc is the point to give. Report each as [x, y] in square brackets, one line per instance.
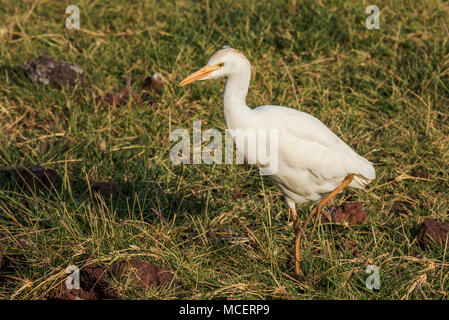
[313, 163]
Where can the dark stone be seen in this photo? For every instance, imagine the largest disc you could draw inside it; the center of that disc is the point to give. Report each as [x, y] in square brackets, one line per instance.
[55, 73]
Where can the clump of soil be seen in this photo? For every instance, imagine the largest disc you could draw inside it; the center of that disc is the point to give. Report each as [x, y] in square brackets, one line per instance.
[120, 98]
[92, 286]
[55, 73]
[93, 280]
[432, 232]
[351, 213]
[106, 189]
[60, 292]
[155, 82]
[37, 177]
[144, 275]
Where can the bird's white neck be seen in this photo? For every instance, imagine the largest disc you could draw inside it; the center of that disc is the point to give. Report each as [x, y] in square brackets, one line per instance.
[234, 98]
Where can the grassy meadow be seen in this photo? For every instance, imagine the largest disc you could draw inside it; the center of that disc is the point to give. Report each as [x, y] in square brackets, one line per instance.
[223, 230]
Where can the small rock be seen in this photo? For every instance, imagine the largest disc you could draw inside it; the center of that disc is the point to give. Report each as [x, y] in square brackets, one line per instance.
[55, 73]
[37, 177]
[155, 82]
[106, 189]
[351, 213]
[432, 232]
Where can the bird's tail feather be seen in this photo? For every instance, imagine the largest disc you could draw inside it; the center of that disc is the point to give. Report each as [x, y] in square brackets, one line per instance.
[360, 182]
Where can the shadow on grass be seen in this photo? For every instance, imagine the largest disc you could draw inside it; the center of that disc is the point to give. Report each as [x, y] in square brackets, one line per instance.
[147, 200]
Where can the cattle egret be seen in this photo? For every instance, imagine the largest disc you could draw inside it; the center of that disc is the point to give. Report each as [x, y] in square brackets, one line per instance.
[313, 163]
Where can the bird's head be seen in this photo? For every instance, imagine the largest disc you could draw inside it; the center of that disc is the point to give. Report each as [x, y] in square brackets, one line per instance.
[223, 63]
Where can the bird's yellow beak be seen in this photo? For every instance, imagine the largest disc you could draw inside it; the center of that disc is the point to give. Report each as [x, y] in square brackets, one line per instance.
[203, 72]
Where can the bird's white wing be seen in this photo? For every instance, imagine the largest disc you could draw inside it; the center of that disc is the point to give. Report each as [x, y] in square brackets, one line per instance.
[307, 144]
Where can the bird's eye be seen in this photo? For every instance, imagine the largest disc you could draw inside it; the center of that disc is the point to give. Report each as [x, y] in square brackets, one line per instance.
[221, 64]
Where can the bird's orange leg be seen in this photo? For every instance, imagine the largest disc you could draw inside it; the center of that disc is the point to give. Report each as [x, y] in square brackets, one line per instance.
[297, 239]
[328, 198]
[317, 211]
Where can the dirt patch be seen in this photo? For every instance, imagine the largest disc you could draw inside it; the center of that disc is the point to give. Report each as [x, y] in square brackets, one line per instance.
[432, 232]
[143, 275]
[351, 213]
[106, 189]
[120, 98]
[55, 73]
[37, 177]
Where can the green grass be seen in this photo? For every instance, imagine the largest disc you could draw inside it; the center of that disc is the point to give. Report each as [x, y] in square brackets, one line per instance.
[385, 92]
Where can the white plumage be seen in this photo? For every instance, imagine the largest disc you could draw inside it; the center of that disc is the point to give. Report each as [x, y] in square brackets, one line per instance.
[312, 160]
